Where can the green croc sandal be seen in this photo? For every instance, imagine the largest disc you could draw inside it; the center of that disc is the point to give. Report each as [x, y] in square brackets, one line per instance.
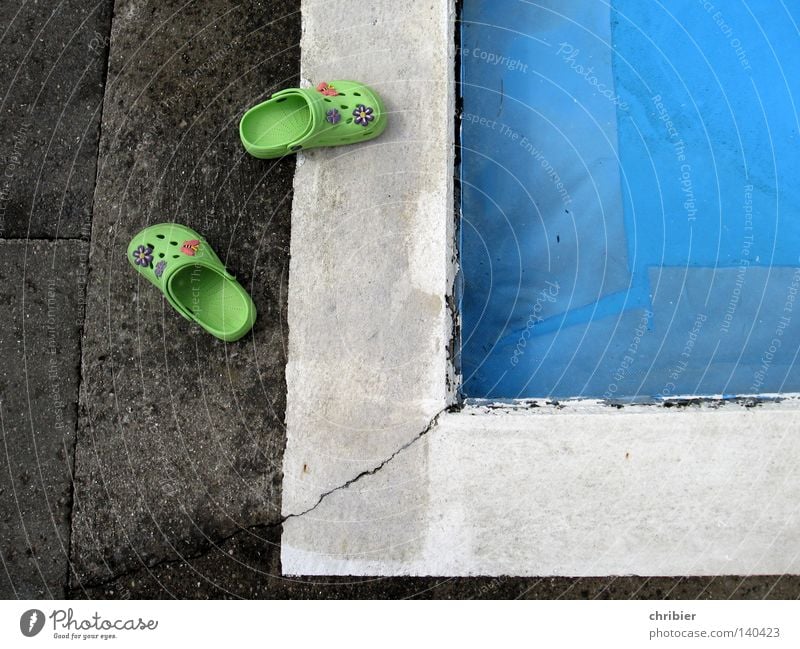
[332, 114]
[182, 264]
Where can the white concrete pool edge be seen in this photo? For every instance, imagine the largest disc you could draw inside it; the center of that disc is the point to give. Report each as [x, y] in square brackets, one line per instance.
[379, 480]
[580, 491]
[372, 249]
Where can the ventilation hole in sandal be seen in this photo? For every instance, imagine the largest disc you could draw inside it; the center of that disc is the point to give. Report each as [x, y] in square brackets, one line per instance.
[159, 236]
[350, 120]
[357, 94]
[341, 94]
[161, 255]
[173, 243]
[343, 107]
[175, 256]
[328, 100]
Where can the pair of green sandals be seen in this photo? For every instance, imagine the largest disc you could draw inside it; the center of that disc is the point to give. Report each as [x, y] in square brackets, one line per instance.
[182, 264]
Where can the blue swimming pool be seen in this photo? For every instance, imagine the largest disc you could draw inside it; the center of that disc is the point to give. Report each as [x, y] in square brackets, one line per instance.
[630, 198]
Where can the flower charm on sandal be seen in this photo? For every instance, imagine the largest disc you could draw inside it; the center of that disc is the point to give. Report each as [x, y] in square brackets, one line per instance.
[143, 256]
[363, 115]
[333, 116]
[159, 269]
[327, 90]
[190, 247]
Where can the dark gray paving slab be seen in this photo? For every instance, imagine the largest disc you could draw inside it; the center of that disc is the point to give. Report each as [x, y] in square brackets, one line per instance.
[51, 89]
[41, 290]
[181, 436]
[247, 566]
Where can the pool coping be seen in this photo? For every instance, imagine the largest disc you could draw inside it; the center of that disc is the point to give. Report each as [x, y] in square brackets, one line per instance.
[385, 473]
[372, 259]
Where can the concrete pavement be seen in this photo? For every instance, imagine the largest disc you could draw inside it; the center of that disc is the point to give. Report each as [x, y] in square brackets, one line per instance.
[177, 443]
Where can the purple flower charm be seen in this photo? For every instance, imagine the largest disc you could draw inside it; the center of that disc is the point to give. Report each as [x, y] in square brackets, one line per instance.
[363, 115]
[143, 256]
[160, 266]
[333, 116]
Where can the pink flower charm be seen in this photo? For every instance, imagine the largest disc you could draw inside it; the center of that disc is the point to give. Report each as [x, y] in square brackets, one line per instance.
[190, 247]
[327, 90]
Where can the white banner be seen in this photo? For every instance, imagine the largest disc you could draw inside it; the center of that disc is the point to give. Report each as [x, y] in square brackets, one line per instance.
[335, 624]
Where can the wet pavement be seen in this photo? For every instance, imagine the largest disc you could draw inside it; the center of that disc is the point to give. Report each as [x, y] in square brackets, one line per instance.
[175, 440]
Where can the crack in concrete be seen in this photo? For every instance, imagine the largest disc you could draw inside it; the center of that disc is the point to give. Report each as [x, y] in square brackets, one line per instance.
[72, 459]
[431, 424]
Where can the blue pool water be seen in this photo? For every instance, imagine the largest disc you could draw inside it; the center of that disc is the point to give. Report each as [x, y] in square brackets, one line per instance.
[630, 198]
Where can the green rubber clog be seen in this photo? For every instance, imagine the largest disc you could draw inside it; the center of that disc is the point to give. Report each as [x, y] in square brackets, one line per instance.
[194, 280]
[332, 114]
